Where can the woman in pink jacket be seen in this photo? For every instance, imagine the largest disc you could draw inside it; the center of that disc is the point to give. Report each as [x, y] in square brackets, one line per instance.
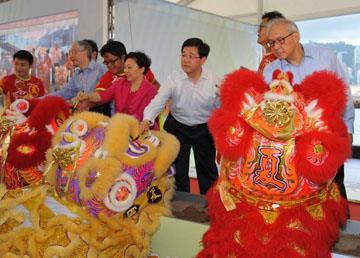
[131, 95]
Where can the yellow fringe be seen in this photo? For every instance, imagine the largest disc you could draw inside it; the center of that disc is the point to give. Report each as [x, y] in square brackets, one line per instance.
[119, 130]
[167, 152]
[90, 237]
[108, 170]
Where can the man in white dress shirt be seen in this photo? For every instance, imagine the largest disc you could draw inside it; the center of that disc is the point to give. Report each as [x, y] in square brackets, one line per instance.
[193, 93]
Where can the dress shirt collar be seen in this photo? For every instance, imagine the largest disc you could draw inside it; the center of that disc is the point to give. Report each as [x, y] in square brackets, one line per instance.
[308, 51]
[91, 66]
[204, 75]
[307, 54]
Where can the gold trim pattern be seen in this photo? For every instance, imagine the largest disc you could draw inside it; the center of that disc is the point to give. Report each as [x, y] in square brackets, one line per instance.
[278, 113]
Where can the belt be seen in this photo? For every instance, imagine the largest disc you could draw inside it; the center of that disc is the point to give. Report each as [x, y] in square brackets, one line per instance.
[189, 126]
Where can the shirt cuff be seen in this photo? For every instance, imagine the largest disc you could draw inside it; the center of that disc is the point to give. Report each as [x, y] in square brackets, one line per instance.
[350, 127]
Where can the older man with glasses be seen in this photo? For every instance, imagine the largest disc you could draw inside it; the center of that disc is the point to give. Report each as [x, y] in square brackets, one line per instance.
[86, 77]
[303, 60]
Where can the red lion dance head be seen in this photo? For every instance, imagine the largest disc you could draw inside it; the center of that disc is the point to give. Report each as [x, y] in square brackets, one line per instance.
[281, 148]
[26, 131]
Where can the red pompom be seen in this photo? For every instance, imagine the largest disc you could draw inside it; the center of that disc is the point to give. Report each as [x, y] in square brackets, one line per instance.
[328, 89]
[27, 151]
[236, 84]
[279, 75]
[318, 155]
[232, 136]
[46, 110]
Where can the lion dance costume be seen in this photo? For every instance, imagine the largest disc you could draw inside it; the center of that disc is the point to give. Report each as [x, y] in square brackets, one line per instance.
[281, 148]
[106, 190]
[26, 130]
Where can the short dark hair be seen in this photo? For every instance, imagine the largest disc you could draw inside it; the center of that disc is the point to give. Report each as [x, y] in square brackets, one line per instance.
[141, 60]
[201, 46]
[272, 15]
[93, 46]
[113, 47]
[24, 55]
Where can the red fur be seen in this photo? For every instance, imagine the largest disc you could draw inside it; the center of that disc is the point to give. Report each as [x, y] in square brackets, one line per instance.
[219, 124]
[277, 72]
[40, 141]
[41, 113]
[336, 125]
[328, 89]
[337, 147]
[316, 240]
[46, 110]
[236, 84]
[32, 104]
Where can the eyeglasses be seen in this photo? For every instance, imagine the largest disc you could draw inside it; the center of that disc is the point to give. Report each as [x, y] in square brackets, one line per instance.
[191, 57]
[280, 41]
[112, 62]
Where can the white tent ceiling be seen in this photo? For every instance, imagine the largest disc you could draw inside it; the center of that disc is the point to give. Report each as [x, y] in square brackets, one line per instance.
[250, 10]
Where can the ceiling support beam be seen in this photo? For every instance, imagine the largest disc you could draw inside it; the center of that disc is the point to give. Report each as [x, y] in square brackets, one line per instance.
[238, 16]
[185, 2]
[110, 19]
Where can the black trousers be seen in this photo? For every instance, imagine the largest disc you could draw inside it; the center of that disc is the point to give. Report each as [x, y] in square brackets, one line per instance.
[104, 109]
[199, 138]
[339, 179]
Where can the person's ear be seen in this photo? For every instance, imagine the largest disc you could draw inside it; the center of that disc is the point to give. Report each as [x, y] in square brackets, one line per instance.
[297, 36]
[203, 60]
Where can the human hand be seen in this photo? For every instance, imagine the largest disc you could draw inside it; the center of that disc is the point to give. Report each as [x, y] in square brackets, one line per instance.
[81, 96]
[83, 106]
[144, 126]
[350, 136]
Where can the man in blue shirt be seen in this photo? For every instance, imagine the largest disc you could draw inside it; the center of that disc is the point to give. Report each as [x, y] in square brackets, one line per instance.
[86, 77]
[302, 60]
